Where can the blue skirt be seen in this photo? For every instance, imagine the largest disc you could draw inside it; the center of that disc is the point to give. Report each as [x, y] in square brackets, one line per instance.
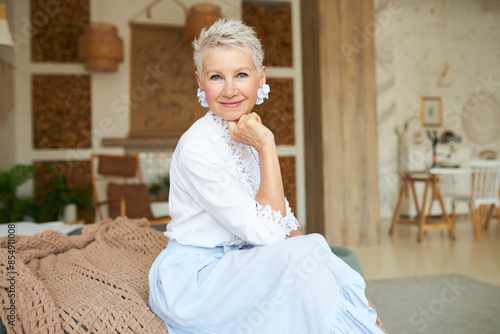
[295, 286]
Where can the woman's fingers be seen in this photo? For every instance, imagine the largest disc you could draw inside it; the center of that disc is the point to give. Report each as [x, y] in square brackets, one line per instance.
[231, 125]
[249, 130]
[249, 120]
[257, 117]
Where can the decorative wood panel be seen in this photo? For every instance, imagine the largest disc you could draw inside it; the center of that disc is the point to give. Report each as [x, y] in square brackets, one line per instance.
[340, 122]
[313, 132]
[273, 23]
[77, 174]
[163, 84]
[277, 112]
[61, 111]
[288, 173]
[56, 26]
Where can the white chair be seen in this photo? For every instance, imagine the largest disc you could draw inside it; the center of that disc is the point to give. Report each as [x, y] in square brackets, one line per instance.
[491, 215]
[485, 184]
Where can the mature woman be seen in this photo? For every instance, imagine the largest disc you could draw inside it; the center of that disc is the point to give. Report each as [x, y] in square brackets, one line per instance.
[231, 264]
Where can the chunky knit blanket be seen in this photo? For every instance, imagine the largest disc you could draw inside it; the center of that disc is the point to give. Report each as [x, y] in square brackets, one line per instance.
[96, 282]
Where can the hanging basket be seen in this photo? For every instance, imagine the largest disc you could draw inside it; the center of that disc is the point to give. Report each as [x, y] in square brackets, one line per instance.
[200, 16]
[100, 48]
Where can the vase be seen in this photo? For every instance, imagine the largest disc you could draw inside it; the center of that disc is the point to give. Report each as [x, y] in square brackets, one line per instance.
[100, 48]
[200, 16]
[70, 213]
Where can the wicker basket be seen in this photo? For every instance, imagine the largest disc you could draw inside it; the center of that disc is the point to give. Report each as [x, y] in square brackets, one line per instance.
[100, 47]
[200, 16]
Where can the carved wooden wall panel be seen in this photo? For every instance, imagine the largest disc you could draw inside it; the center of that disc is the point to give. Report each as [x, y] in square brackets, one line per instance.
[61, 111]
[277, 112]
[163, 84]
[56, 26]
[77, 174]
[288, 173]
[273, 24]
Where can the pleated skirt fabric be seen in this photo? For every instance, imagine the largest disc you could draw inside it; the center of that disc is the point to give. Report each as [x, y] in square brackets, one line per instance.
[294, 286]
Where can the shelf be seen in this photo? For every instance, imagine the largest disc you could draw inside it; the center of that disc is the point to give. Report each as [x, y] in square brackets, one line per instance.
[139, 142]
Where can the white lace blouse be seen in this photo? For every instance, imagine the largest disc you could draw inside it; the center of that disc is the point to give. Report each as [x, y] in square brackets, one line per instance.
[213, 183]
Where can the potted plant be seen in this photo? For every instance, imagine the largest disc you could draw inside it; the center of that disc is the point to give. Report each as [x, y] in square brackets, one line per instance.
[58, 195]
[159, 190]
[12, 207]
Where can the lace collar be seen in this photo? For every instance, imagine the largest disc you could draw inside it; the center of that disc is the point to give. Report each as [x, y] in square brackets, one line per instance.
[244, 161]
[220, 122]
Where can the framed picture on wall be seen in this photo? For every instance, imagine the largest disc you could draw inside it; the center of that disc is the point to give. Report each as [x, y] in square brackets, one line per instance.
[431, 111]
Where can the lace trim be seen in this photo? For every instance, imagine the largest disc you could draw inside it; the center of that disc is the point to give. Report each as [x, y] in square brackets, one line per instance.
[275, 220]
[247, 173]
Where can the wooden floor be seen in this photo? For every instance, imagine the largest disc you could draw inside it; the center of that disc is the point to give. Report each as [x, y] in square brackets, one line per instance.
[400, 255]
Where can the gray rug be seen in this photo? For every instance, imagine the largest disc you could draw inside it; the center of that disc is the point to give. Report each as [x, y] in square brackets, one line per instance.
[436, 305]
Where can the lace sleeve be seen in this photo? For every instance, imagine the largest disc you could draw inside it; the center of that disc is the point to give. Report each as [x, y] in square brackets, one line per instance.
[276, 221]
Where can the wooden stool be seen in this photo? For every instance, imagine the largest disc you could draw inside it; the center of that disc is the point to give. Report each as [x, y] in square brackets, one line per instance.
[422, 220]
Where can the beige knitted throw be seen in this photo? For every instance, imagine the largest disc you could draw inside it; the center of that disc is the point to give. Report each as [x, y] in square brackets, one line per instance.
[96, 282]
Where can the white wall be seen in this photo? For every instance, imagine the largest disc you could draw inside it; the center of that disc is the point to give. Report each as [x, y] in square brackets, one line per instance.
[413, 45]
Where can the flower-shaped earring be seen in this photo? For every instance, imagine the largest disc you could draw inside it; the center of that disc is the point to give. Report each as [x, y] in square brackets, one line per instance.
[201, 98]
[263, 93]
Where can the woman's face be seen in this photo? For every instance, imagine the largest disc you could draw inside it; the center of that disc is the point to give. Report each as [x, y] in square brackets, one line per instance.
[230, 82]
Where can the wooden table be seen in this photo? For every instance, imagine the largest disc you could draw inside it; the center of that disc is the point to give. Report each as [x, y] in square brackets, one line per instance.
[423, 219]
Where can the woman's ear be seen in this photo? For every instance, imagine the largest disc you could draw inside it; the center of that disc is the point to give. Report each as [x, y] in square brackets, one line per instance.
[198, 79]
[262, 76]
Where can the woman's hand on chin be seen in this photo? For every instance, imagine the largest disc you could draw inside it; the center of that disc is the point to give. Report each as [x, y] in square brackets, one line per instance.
[249, 130]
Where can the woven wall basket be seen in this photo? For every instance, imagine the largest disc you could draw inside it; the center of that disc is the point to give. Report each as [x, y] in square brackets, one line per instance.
[100, 48]
[200, 16]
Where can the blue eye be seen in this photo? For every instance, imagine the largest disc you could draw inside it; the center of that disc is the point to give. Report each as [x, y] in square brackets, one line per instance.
[215, 77]
[242, 75]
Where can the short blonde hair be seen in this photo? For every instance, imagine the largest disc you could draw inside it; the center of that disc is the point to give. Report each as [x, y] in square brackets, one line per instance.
[228, 33]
